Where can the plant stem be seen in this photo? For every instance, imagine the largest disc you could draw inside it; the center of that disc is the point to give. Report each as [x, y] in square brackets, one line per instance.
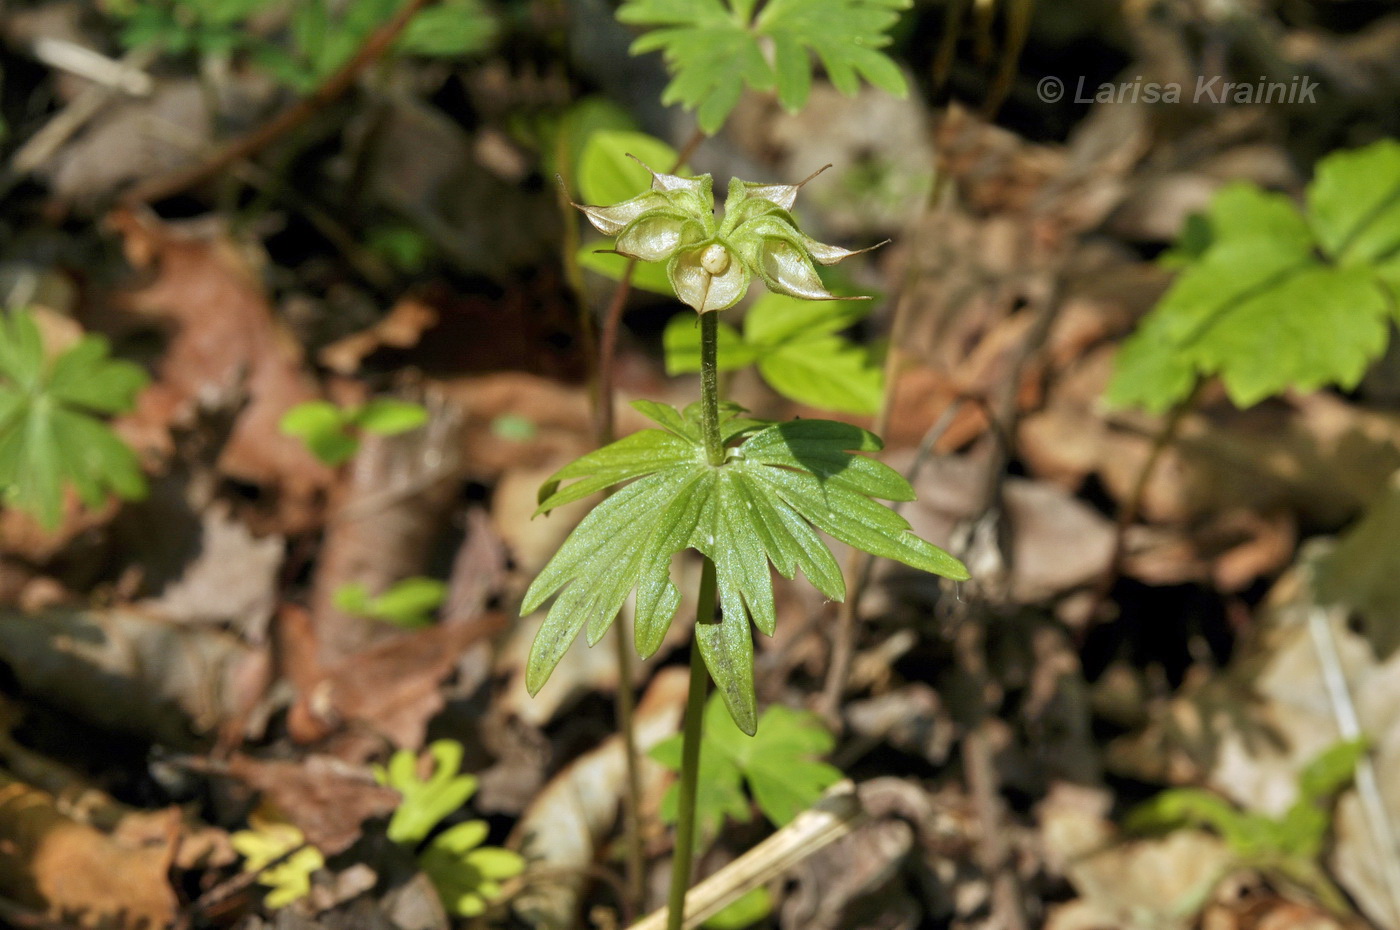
[690, 756]
[709, 386]
[704, 613]
[625, 705]
[601, 380]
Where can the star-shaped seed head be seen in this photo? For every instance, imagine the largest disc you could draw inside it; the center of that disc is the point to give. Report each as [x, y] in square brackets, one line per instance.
[711, 261]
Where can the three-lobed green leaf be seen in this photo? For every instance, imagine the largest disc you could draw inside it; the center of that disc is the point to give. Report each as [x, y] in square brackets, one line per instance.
[49, 436]
[714, 48]
[780, 763]
[780, 485]
[1270, 299]
[798, 350]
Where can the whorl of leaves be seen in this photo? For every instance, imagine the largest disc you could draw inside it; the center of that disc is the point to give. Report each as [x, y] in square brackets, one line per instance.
[779, 485]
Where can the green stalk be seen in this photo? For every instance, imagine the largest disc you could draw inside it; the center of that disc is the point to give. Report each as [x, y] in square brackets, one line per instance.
[709, 388]
[690, 757]
[704, 613]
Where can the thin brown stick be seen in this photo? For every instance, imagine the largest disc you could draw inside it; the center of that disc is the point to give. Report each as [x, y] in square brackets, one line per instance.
[331, 89]
[1132, 508]
[240, 882]
[858, 567]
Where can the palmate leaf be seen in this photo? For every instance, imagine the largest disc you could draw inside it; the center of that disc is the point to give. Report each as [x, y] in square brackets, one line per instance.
[780, 485]
[781, 764]
[1272, 299]
[714, 48]
[49, 438]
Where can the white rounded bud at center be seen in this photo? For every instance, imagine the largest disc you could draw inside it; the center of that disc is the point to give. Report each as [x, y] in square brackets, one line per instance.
[715, 259]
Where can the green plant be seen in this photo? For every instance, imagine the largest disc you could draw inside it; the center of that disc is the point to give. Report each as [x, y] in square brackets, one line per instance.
[50, 437]
[743, 493]
[268, 840]
[330, 432]
[1286, 847]
[467, 875]
[798, 349]
[780, 764]
[1271, 298]
[409, 603]
[716, 47]
[321, 35]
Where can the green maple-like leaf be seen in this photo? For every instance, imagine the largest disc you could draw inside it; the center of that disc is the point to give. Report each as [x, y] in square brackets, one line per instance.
[781, 764]
[49, 436]
[1270, 299]
[715, 47]
[779, 485]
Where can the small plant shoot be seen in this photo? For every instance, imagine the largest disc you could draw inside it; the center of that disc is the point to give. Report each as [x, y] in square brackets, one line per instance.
[269, 840]
[333, 433]
[466, 874]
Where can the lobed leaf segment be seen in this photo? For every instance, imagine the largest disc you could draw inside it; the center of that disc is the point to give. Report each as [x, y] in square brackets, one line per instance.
[714, 48]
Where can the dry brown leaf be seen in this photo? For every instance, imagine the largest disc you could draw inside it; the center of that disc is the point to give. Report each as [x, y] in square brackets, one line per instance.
[1058, 542]
[385, 518]
[392, 688]
[1142, 885]
[560, 415]
[77, 873]
[328, 800]
[226, 353]
[401, 329]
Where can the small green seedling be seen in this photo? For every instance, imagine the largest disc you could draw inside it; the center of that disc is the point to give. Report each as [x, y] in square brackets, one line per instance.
[780, 764]
[332, 433]
[714, 48]
[409, 603]
[1270, 298]
[747, 495]
[1287, 848]
[467, 875]
[50, 436]
[265, 841]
